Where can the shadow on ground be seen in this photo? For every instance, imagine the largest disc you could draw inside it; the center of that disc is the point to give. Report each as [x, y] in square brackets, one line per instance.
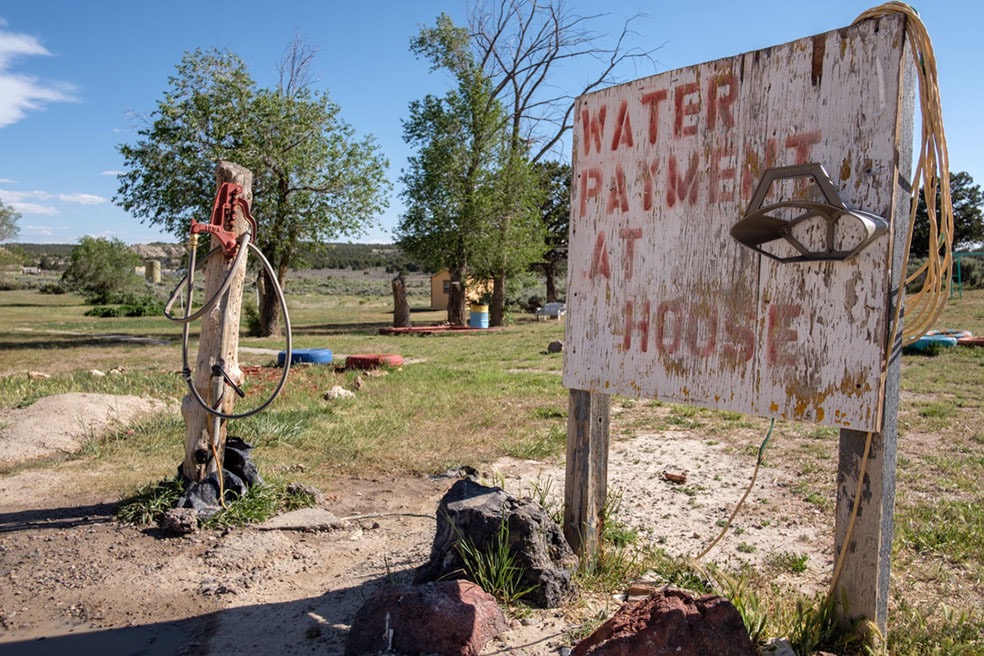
[57, 518]
[317, 625]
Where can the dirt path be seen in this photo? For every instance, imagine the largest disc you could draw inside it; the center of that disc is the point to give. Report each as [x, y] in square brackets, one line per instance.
[75, 581]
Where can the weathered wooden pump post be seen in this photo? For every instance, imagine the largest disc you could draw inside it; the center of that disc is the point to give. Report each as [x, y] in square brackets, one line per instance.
[216, 372]
[736, 241]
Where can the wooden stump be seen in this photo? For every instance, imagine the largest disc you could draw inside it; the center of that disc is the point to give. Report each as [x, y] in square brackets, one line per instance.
[401, 309]
[218, 344]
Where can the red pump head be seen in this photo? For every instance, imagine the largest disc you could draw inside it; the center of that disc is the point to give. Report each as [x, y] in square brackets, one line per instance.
[221, 225]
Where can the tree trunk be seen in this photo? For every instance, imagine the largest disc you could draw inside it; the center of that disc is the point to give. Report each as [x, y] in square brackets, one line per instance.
[456, 298]
[549, 270]
[269, 306]
[401, 309]
[497, 311]
[218, 345]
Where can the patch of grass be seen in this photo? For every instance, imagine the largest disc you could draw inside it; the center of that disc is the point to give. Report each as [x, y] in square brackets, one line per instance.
[958, 469]
[495, 568]
[149, 502]
[817, 625]
[944, 631]
[610, 570]
[739, 591]
[257, 504]
[787, 561]
[818, 500]
[619, 561]
[276, 427]
[822, 433]
[937, 410]
[690, 490]
[540, 445]
[540, 491]
[615, 531]
[295, 497]
[946, 528]
[680, 573]
[549, 413]
[685, 416]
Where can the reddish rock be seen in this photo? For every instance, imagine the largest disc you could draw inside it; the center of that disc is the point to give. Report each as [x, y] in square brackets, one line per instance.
[671, 622]
[449, 618]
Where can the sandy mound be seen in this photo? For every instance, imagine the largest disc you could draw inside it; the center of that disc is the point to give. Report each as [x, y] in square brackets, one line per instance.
[63, 423]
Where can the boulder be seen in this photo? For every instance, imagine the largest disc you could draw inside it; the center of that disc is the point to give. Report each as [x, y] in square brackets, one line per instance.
[480, 514]
[180, 521]
[449, 618]
[671, 622]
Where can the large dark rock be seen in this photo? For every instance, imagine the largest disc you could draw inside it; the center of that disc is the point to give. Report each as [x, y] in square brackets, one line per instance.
[450, 618]
[671, 622]
[476, 513]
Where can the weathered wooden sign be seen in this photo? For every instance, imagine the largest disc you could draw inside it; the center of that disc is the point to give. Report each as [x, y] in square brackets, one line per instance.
[665, 303]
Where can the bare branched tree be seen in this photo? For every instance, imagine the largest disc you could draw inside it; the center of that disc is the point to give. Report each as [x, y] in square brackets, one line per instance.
[521, 46]
[295, 67]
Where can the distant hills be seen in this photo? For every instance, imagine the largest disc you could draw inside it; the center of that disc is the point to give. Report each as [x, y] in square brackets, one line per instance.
[310, 255]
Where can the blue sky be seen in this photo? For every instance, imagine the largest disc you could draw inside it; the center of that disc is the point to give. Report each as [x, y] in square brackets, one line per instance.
[77, 78]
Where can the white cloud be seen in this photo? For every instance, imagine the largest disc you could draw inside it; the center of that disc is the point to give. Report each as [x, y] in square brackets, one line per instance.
[11, 196]
[82, 199]
[112, 173]
[7, 181]
[18, 197]
[14, 45]
[36, 230]
[34, 208]
[22, 93]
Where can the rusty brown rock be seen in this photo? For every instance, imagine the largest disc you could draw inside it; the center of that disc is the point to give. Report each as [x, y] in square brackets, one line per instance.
[675, 478]
[671, 622]
[449, 618]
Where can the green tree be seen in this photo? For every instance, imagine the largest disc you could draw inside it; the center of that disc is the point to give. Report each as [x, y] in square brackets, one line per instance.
[554, 179]
[8, 222]
[313, 179]
[468, 191]
[511, 238]
[968, 216]
[446, 184]
[103, 270]
[515, 47]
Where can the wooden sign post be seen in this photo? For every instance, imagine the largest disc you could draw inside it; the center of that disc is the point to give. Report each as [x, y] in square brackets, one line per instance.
[663, 302]
[218, 341]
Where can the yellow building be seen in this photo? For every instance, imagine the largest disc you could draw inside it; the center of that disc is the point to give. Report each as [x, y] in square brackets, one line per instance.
[441, 287]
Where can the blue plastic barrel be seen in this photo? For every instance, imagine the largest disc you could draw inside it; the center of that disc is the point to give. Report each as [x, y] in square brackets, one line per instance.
[310, 356]
[478, 316]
